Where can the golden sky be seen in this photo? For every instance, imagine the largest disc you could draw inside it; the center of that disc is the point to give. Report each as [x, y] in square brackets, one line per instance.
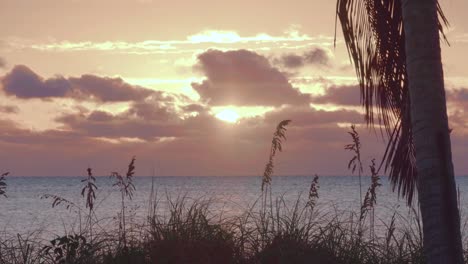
[189, 87]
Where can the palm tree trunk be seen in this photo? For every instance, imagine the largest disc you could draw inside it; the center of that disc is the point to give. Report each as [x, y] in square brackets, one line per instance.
[436, 183]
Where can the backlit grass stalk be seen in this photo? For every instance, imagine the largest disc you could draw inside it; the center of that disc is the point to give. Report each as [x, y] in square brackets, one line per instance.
[276, 142]
[3, 184]
[355, 162]
[313, 193]
[276, 145]
[89, 192]
[370, 200]
[126, 188]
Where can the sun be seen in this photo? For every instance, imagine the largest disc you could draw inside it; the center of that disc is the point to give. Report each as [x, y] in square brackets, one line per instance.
[228, 115]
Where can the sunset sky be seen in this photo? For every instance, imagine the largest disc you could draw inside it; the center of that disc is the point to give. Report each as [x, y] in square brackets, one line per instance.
[190, 87]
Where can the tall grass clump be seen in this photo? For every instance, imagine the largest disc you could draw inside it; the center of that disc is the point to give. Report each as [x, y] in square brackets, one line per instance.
[191, 233]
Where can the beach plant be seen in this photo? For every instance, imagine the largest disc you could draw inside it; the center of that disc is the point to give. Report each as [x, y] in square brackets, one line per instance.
[69, 249]
[370, 199]
[126, 188]
[190, 234]
[3, 184]
[313, 192]
[276, 145]
[89, 192]
[58, 200]
[355, 162]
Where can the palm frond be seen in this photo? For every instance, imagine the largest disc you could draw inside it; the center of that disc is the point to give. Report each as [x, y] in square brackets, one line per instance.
[375, 39]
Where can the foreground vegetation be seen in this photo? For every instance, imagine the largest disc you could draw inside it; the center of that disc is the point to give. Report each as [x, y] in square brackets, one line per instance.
[191, 232]
[187, 230]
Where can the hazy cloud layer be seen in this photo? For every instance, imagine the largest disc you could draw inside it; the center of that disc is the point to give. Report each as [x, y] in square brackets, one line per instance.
[23, 83]
[243, 77]
[203, 144]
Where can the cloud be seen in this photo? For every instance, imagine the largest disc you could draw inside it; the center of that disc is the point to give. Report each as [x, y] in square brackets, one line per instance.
[310, 117]
[146, 120]
[458, 96]
[347, 95]
[9, 109]
[2, 63]
[192, 43]
[242, 77]
[316, 56]
[23, 83]
[194, 108]
[458, 100]
[107, 89]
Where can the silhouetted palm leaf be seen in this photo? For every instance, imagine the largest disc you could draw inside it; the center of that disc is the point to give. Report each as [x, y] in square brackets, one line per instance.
[375, 38]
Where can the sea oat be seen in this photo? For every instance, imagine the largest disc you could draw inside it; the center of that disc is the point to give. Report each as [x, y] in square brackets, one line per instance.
[278, 136]
[3, 184]
[313, 192]
[89, 190]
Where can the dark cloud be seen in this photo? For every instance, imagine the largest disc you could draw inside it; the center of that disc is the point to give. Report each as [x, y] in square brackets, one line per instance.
[9, 109]
[316, 56]
[23, 83]
[193, 108]
[143, 120]
[107, 89]
[292, 61]
[348, 95]
[244, 77]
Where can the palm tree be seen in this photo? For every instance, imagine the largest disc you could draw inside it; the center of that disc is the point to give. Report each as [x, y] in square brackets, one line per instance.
[395, 47]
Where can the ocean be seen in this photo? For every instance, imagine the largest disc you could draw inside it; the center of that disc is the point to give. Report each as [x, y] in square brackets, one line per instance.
[24, 212]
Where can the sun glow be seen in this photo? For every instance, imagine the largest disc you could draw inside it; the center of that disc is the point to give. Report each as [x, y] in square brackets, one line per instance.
[228, 115]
